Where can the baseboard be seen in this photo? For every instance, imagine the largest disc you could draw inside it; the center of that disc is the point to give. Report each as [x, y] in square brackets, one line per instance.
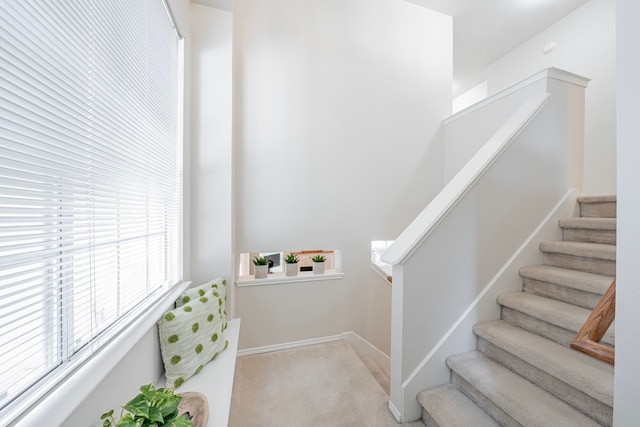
[289, 345]
[364, 347]
[395, 412]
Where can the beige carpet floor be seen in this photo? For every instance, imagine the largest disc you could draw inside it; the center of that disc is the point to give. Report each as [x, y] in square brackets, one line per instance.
[314, 386]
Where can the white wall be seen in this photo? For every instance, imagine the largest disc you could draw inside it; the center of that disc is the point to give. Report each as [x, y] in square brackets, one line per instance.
[337, 104]
[470, 97]
[626, 411]
[585, 46]
[211, 162]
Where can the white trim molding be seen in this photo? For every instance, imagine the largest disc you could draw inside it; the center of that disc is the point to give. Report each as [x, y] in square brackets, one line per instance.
[279, 278]
[288, 345]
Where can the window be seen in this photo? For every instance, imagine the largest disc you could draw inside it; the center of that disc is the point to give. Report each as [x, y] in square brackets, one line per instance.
[90, 179]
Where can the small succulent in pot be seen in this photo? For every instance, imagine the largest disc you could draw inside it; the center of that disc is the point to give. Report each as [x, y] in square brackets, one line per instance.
[260, 261]
[291, 259]
[261, 267]
[291, 266]
[318, 264]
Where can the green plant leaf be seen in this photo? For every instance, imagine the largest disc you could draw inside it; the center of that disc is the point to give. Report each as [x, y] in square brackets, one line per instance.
[169, 405]
[183, 421]
[138, 406]
[171, 417]
[145, 389]
[128, 421]
[107, 415]
[155, 415]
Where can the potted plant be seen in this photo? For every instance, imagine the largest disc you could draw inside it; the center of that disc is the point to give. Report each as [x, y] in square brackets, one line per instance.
[318, 264]
[291, 266]
[261, 267]
[150, 408]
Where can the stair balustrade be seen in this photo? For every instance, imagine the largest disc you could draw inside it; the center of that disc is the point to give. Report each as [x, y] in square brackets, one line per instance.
[587, 340]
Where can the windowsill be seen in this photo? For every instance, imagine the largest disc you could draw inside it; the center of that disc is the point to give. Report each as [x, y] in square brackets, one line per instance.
[277, 278]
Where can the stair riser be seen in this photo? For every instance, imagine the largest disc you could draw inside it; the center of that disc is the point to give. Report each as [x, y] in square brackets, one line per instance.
[598, 210]
[428, 420]
[447, 406]
[561, 293]
[555, 333]
[589, 236]
[565, 392]
[483, 401]
[589, 265]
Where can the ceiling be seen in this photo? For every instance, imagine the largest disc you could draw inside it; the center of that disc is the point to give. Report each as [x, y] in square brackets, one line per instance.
[483, 30]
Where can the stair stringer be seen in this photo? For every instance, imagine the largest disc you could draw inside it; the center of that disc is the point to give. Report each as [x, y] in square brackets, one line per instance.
[459, 338]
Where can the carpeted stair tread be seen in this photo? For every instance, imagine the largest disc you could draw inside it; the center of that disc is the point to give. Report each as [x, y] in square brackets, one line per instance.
[509, 398]
[571, 286]
[589, 223]
[556, 313]
[446, 406]
[584, 373]
[590, 230]
[604, 206]
[601, 198]
[596, 258]
[574, 279]
[580, 249]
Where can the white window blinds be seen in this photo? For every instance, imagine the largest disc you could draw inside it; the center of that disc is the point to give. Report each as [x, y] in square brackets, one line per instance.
[90, 177]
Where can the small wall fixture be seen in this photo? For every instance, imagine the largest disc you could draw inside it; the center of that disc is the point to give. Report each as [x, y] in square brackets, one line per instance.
[549, 47]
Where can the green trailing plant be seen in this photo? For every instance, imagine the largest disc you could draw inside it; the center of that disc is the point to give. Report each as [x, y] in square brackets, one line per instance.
[150, 408]
[318, 258]
[291, 259]
[260, 261]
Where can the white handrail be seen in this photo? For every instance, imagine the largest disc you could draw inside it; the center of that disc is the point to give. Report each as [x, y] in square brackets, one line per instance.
[442, 204]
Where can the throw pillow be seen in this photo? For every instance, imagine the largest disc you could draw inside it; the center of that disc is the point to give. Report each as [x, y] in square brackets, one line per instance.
[218, 288]
[191, 336]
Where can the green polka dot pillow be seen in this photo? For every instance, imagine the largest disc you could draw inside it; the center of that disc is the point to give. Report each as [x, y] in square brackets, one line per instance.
[216, 288]
[190, 336]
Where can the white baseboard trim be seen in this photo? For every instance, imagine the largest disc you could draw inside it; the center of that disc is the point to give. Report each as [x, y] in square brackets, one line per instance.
[286, 346]
[395, 412]
[364, 347]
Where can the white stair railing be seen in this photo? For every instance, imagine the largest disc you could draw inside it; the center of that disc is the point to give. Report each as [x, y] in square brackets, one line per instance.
[449, 262]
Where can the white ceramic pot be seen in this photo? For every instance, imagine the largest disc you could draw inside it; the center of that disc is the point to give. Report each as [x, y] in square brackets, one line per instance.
[261, 271]
[318, 267]
[291, 268]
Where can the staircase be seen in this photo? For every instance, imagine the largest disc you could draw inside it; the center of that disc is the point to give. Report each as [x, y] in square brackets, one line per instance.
[523, 372]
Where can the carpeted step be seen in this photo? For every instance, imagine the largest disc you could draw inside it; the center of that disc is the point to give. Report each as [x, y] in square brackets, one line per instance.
[446, 406]
[580, 380]
[598, 206]
[509, 398]
[589, 257]
[555, 320]
[589, 230]
[570, 286]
